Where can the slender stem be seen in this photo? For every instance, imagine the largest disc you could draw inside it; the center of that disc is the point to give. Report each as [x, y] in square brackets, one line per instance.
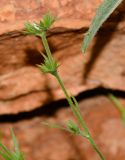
[90, 139]
[80, 119]
[46, 45]
[96, 148]
[71, 102]
[77, 114]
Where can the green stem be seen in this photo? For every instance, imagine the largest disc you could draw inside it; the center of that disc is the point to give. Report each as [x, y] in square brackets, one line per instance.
[80, 119]
[96, 148]
[90, 139]
[70, 101]
[76, 113]
[46, 45]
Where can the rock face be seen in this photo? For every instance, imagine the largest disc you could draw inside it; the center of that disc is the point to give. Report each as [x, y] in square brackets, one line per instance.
[13, 14]
[25, 91]
[40, 142]
[23, 87]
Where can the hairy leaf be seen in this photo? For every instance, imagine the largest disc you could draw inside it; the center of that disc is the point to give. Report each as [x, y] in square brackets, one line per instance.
[102, 13]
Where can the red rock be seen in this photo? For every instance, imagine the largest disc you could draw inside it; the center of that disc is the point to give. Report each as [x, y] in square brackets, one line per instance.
[23, 87]
[40, 142]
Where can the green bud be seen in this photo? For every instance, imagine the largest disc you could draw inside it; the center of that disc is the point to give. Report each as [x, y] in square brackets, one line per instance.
[72, 127]
[42, 26]
[49, 66]
[48, 20]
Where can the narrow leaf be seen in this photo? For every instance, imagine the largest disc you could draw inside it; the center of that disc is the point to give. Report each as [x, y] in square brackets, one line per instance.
[54, 126]
[16, 146]
[118, 105]
[102, 13]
